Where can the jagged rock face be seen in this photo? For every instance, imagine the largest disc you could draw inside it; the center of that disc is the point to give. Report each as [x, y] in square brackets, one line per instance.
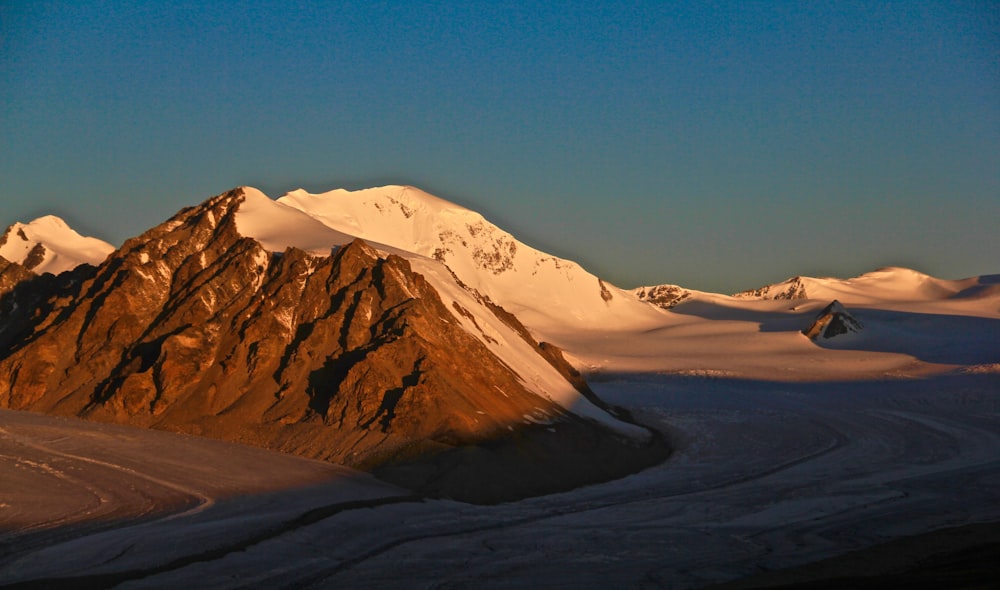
[191, 327]
[833, 321]
[665, 296]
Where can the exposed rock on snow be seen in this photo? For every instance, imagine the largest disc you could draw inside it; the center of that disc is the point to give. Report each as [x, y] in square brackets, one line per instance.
[665, 296]
[833, 321]
[11, 273]
[601, 327]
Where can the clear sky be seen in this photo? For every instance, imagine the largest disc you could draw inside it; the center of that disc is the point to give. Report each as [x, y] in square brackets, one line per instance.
[719, 146]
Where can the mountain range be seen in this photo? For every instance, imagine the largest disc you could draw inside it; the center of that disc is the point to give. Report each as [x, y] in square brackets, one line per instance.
[391, 330]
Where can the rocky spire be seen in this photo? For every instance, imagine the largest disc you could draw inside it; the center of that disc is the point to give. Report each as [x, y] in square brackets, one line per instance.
[833, 321]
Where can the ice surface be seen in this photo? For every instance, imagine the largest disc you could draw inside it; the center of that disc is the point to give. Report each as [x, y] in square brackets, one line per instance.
[766, 475]
[82, 496]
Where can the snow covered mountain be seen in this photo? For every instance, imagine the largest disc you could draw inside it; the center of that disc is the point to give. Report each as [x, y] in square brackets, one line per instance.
[278, 226]
[246, 319]
[49, 245]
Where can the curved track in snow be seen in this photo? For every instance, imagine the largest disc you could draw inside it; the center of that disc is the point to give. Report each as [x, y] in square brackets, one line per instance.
[766, 476]
[89, 501]
[96, 486]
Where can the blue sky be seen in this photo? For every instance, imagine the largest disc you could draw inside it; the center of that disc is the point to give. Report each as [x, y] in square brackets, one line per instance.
[718, 146]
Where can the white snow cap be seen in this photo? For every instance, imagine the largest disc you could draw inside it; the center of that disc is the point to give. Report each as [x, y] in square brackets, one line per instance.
[62, 248]
[277, 226]
[540, 289]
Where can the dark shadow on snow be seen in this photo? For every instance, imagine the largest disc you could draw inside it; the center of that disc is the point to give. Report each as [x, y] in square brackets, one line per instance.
[933, 338]
[768, 321]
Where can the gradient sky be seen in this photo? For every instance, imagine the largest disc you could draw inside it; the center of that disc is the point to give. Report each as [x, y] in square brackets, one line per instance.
[719, 147]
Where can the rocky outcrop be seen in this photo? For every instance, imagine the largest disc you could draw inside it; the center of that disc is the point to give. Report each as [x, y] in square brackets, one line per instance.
[352, 358]
[665, 296]
[833, 321]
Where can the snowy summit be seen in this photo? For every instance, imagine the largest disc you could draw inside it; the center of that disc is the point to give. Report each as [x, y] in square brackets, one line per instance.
[539, 288]
[49, 245]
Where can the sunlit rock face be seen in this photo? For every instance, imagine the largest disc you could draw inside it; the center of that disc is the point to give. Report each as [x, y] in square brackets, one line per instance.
[351, 357]
[833, 321]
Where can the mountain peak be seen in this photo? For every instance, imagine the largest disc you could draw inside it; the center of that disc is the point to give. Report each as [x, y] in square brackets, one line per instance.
[49, 245]
[50, 221]
[545, 289]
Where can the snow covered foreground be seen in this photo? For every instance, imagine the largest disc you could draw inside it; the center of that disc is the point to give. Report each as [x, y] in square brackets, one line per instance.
[766, 475]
